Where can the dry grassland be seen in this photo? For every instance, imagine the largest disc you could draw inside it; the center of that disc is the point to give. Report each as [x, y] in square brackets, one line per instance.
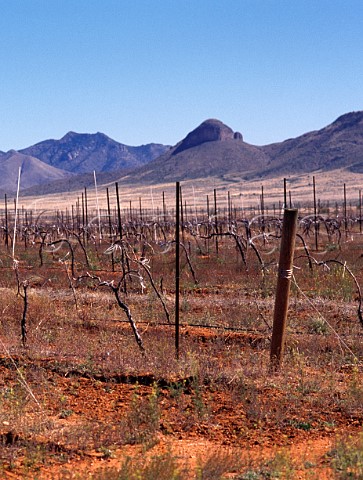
[79, 399]
[244, 194]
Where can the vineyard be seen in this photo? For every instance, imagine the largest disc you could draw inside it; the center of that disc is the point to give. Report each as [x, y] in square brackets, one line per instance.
[135, 341]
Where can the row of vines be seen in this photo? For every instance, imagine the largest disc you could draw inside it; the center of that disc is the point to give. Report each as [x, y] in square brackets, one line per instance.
[133, 252]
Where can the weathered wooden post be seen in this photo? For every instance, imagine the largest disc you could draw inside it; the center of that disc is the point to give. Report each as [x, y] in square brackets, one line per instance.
[283, 287]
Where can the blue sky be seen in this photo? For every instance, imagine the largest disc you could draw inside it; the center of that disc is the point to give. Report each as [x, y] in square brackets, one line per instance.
[146, 71]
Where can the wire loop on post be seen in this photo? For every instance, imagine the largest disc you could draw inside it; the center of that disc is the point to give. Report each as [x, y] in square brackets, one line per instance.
[285, 274]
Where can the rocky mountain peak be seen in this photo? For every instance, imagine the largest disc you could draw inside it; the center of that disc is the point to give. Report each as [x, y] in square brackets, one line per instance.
[69, 136]
[349, 120]
[211, 130]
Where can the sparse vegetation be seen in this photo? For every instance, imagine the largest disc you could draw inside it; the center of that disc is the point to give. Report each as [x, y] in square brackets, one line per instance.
[347, 458]
[80, 388]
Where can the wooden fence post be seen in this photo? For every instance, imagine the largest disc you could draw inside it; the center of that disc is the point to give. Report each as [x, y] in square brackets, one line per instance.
[283, 287]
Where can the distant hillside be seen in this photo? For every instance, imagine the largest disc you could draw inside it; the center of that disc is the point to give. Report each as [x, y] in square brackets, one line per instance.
[82, 153]
[340, 144]
[213, 149]
[33, 171]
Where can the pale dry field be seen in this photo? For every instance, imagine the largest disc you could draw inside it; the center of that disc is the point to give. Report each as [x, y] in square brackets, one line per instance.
[243, 194]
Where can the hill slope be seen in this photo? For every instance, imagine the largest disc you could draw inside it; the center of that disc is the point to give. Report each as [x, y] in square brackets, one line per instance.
[338, 145]
[82, 153]
[33, 171]
[212, 149]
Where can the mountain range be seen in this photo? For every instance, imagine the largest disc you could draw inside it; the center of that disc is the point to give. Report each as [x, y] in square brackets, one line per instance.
[211, 150]
[82, 153]
[65, 164]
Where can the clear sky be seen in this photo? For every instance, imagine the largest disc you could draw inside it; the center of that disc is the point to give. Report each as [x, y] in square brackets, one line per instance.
[144, 71]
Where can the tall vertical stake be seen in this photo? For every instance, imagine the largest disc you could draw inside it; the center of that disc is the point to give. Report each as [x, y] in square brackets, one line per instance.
[208, 229]
[177, 267]
[182, 213]
[118, 212]
[360, 211]
[140, 209]
[164, 208]
[263, 212]
[16, 211]
[216, 219]
[345, 211]
[83, 219]
[229, 210]
[97, 206]
[315, 217]
[121, 233]
[110, 227]
[72, 217]
[86, 211]
[283, 287]
[6, 223]
[285, 194]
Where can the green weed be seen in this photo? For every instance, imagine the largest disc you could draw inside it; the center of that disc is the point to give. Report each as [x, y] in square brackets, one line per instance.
[347, 458]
